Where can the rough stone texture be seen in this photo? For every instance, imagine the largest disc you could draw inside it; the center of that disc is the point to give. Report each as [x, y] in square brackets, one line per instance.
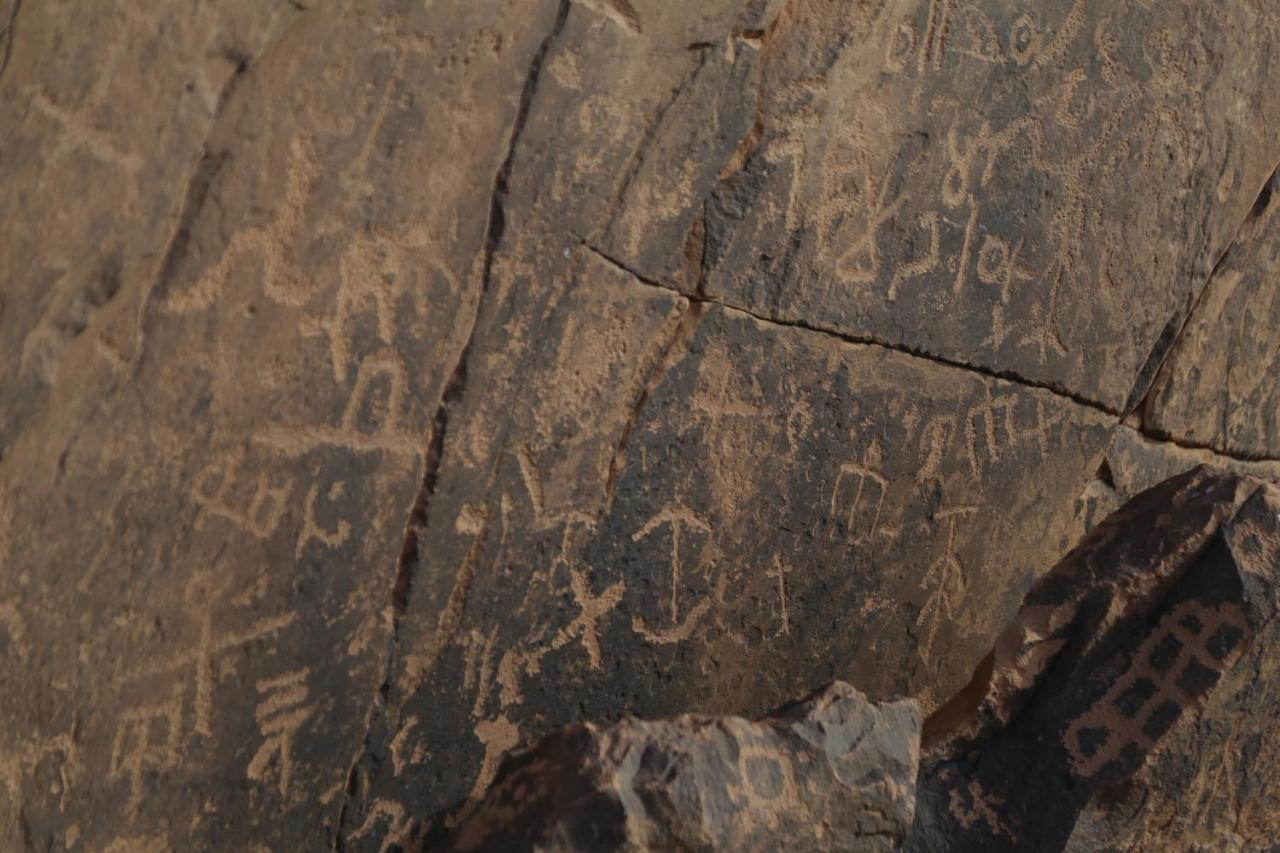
[831, 773]
[386, 383]
[1123, 687]
[205, 510]
[1218, 388]
[980, 180]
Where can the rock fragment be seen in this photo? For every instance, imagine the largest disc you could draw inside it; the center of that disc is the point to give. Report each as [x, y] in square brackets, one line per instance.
[834, 772]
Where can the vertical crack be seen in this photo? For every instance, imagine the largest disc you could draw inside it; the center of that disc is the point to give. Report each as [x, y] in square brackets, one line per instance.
[669, 355]
[453, 389]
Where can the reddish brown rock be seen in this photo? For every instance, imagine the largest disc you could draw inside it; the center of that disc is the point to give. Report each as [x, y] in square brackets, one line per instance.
[1113, 660]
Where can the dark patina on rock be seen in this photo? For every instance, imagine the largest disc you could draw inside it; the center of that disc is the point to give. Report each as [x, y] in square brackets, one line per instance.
[1109, 655]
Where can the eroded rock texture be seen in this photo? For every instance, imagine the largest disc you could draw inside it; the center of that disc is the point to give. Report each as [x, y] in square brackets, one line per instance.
[387, 383]
[1218, 387]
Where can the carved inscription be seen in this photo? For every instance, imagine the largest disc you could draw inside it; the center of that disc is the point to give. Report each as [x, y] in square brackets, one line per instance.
[280, 714]
[1176, 665]
[151, 736]
[946, 576]
[679, 521]
[254, 503]
[148, 739]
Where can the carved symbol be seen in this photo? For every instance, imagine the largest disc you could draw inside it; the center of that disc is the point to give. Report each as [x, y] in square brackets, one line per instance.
[498, 736]
[934, 46]
[973, 804]
[148, 739]
[998, 264]
[780, 571]
[769, 803]
[966, 251]
[676, 518]
[1066, 33]
[78, 125]
[934, 439]
[947, 577]
[279, 717]
[858, 496]
[902, 44]
[201, 659]
[16, 768]
[373, 270]
[399, 761]
[388, 435]
[1174, 667]
[76, 131]
[311, 528]
[533, 484]
[215, 491]
[927, 263]
[473, 521]
[676, 634]
[478, 670]
[1047, 334]
[983, 43]
[860, 262]
[400, 827]
[592, 609]
[1024, 39]
[1063, 114]
[271, 243]
[988, 412]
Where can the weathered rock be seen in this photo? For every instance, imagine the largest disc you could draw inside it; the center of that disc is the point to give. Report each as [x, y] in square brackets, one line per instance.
[1218, 387]
[1108, 698]
[831, 773]
[1122, 659]
[699, 577]
[1212, 784]
[1000, 184]
[385, 383]
[207, 498]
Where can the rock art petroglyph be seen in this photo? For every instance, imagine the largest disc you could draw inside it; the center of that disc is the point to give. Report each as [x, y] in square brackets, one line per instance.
[503, 367]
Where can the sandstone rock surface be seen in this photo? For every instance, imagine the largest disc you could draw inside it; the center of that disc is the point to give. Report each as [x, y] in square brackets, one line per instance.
[385, 383]
[1126, 684]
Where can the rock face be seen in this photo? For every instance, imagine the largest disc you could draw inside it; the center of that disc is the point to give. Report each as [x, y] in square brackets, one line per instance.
[831, 773]
[1119, 661]
[1218, 387]
[1101, 697]
[386, 384]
